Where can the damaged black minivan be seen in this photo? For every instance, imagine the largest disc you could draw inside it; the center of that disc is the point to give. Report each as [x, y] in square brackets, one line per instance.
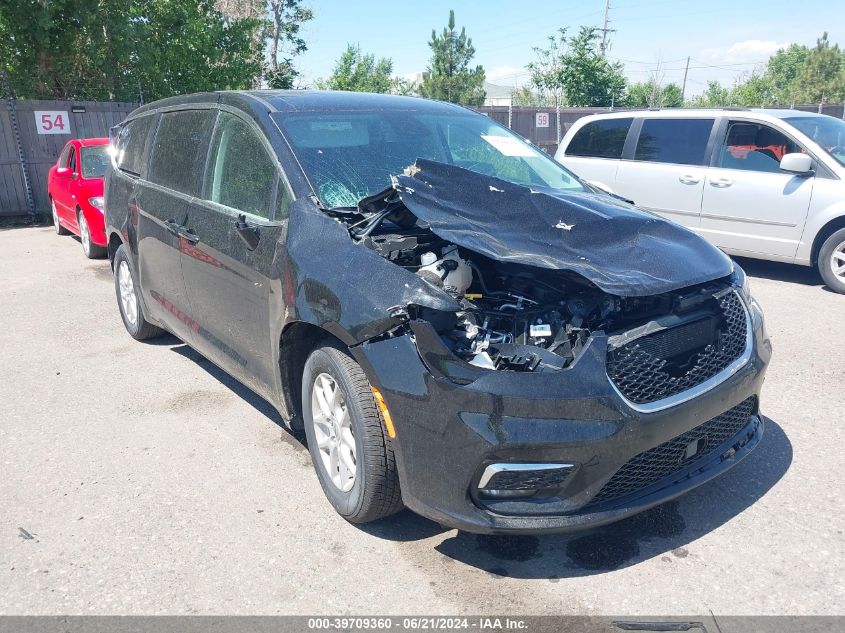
[460, 325]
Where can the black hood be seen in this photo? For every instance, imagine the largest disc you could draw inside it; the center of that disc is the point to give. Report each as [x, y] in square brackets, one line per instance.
[622, 250]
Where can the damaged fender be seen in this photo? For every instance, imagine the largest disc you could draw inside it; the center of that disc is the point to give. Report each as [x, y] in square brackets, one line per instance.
[347, 289]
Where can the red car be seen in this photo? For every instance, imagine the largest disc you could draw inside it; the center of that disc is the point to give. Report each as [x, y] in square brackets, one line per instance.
[75, 187]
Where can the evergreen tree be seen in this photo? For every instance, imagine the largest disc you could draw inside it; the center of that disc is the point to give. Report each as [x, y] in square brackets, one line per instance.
[449, 76]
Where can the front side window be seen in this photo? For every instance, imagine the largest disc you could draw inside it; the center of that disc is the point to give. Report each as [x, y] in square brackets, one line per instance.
[241, 173]
[754, 147]
[828, 132]
[179, 152]
[94, 161]
[677, 141]
[130, 144]
[604, 138]
[71, 161]
[350, 155]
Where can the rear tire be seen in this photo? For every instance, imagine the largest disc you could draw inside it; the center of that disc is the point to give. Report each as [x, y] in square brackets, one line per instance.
[356, 431]
[129, 299]
[60, 230]
[91, 250]
[832, 261]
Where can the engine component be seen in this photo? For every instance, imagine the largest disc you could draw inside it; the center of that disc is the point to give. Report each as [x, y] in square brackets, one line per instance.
[454, 273]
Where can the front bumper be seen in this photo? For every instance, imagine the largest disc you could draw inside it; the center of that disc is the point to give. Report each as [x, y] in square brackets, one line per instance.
[447, 434]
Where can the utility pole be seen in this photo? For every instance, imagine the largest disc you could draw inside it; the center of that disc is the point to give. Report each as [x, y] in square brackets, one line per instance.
[604, 29]
[684, 89]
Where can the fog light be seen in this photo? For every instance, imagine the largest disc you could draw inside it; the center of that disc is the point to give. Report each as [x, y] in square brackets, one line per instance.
[521, 480]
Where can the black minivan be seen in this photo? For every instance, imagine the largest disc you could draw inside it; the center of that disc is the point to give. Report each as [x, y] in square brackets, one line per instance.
[461, 325]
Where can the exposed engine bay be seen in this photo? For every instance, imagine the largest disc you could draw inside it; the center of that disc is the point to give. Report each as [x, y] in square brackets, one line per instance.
[517, 317]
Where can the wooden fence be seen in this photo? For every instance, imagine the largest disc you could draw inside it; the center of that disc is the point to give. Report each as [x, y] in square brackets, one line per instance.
[32, 134]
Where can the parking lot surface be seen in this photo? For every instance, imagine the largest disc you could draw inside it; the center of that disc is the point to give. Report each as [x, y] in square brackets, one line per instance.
[139, 479]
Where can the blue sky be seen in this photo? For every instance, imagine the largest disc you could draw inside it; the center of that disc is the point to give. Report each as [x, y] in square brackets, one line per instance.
[725, 38]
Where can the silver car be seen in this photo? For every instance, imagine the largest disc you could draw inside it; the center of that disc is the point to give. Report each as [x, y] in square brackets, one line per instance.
[768, 184]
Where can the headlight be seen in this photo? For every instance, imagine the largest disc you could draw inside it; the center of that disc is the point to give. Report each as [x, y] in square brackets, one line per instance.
[97, 202]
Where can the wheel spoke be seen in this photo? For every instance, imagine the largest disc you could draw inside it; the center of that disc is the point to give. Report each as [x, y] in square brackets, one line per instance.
[334, 466]
[322, 402]
[347, 459]
[348, 439]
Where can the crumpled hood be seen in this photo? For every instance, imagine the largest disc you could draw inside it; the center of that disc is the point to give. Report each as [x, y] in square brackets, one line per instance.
[622, 250]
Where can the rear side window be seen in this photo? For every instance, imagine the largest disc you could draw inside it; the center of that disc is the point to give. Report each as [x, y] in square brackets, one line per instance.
[180, 149]
[241, 173]
[755, 147]
[604, 138]
[678, 141]
[130, 144]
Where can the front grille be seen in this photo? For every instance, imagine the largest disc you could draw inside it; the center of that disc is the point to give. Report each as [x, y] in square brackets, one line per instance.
[661, 461]
[645, 372]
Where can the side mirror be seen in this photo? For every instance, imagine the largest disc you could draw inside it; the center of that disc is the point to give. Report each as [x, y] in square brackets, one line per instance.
[797, 163]
[64, 172]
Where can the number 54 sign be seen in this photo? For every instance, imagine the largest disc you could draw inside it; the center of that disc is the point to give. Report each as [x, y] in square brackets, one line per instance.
[52, 122]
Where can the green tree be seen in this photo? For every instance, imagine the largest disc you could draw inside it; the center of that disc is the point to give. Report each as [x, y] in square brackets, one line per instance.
[122, 49]
[449, 76]
[358, 72]
[525, 96]
[821, 78]
[756, 90]
[714, 96]
[782, 69]
[286, 41]
[651, 94]
[570, 71]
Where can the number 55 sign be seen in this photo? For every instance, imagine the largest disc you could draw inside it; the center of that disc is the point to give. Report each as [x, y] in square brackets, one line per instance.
[52, 122]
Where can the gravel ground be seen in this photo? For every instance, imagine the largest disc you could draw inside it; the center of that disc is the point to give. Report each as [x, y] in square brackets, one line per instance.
[139, 479]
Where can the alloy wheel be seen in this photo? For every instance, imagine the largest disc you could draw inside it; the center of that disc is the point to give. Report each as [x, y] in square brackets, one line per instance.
[128, 300]
[837, 262]
[55, 216]
[333, 432]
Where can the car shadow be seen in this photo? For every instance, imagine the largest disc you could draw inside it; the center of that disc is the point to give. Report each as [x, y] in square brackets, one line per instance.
[778, 271]
[662, 531]
[238, 388]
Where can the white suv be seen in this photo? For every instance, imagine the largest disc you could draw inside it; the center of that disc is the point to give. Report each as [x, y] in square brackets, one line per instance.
[757, 183]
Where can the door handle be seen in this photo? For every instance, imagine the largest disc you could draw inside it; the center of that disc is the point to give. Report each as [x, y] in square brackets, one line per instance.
[721, 183]
[188, 235]
[689, 179]
[173, 226]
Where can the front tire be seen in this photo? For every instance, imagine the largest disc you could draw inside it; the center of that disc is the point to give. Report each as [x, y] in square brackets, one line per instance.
[129, 299]
[57, 226]
[346, 438]
[832, 261]
[91, 250]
